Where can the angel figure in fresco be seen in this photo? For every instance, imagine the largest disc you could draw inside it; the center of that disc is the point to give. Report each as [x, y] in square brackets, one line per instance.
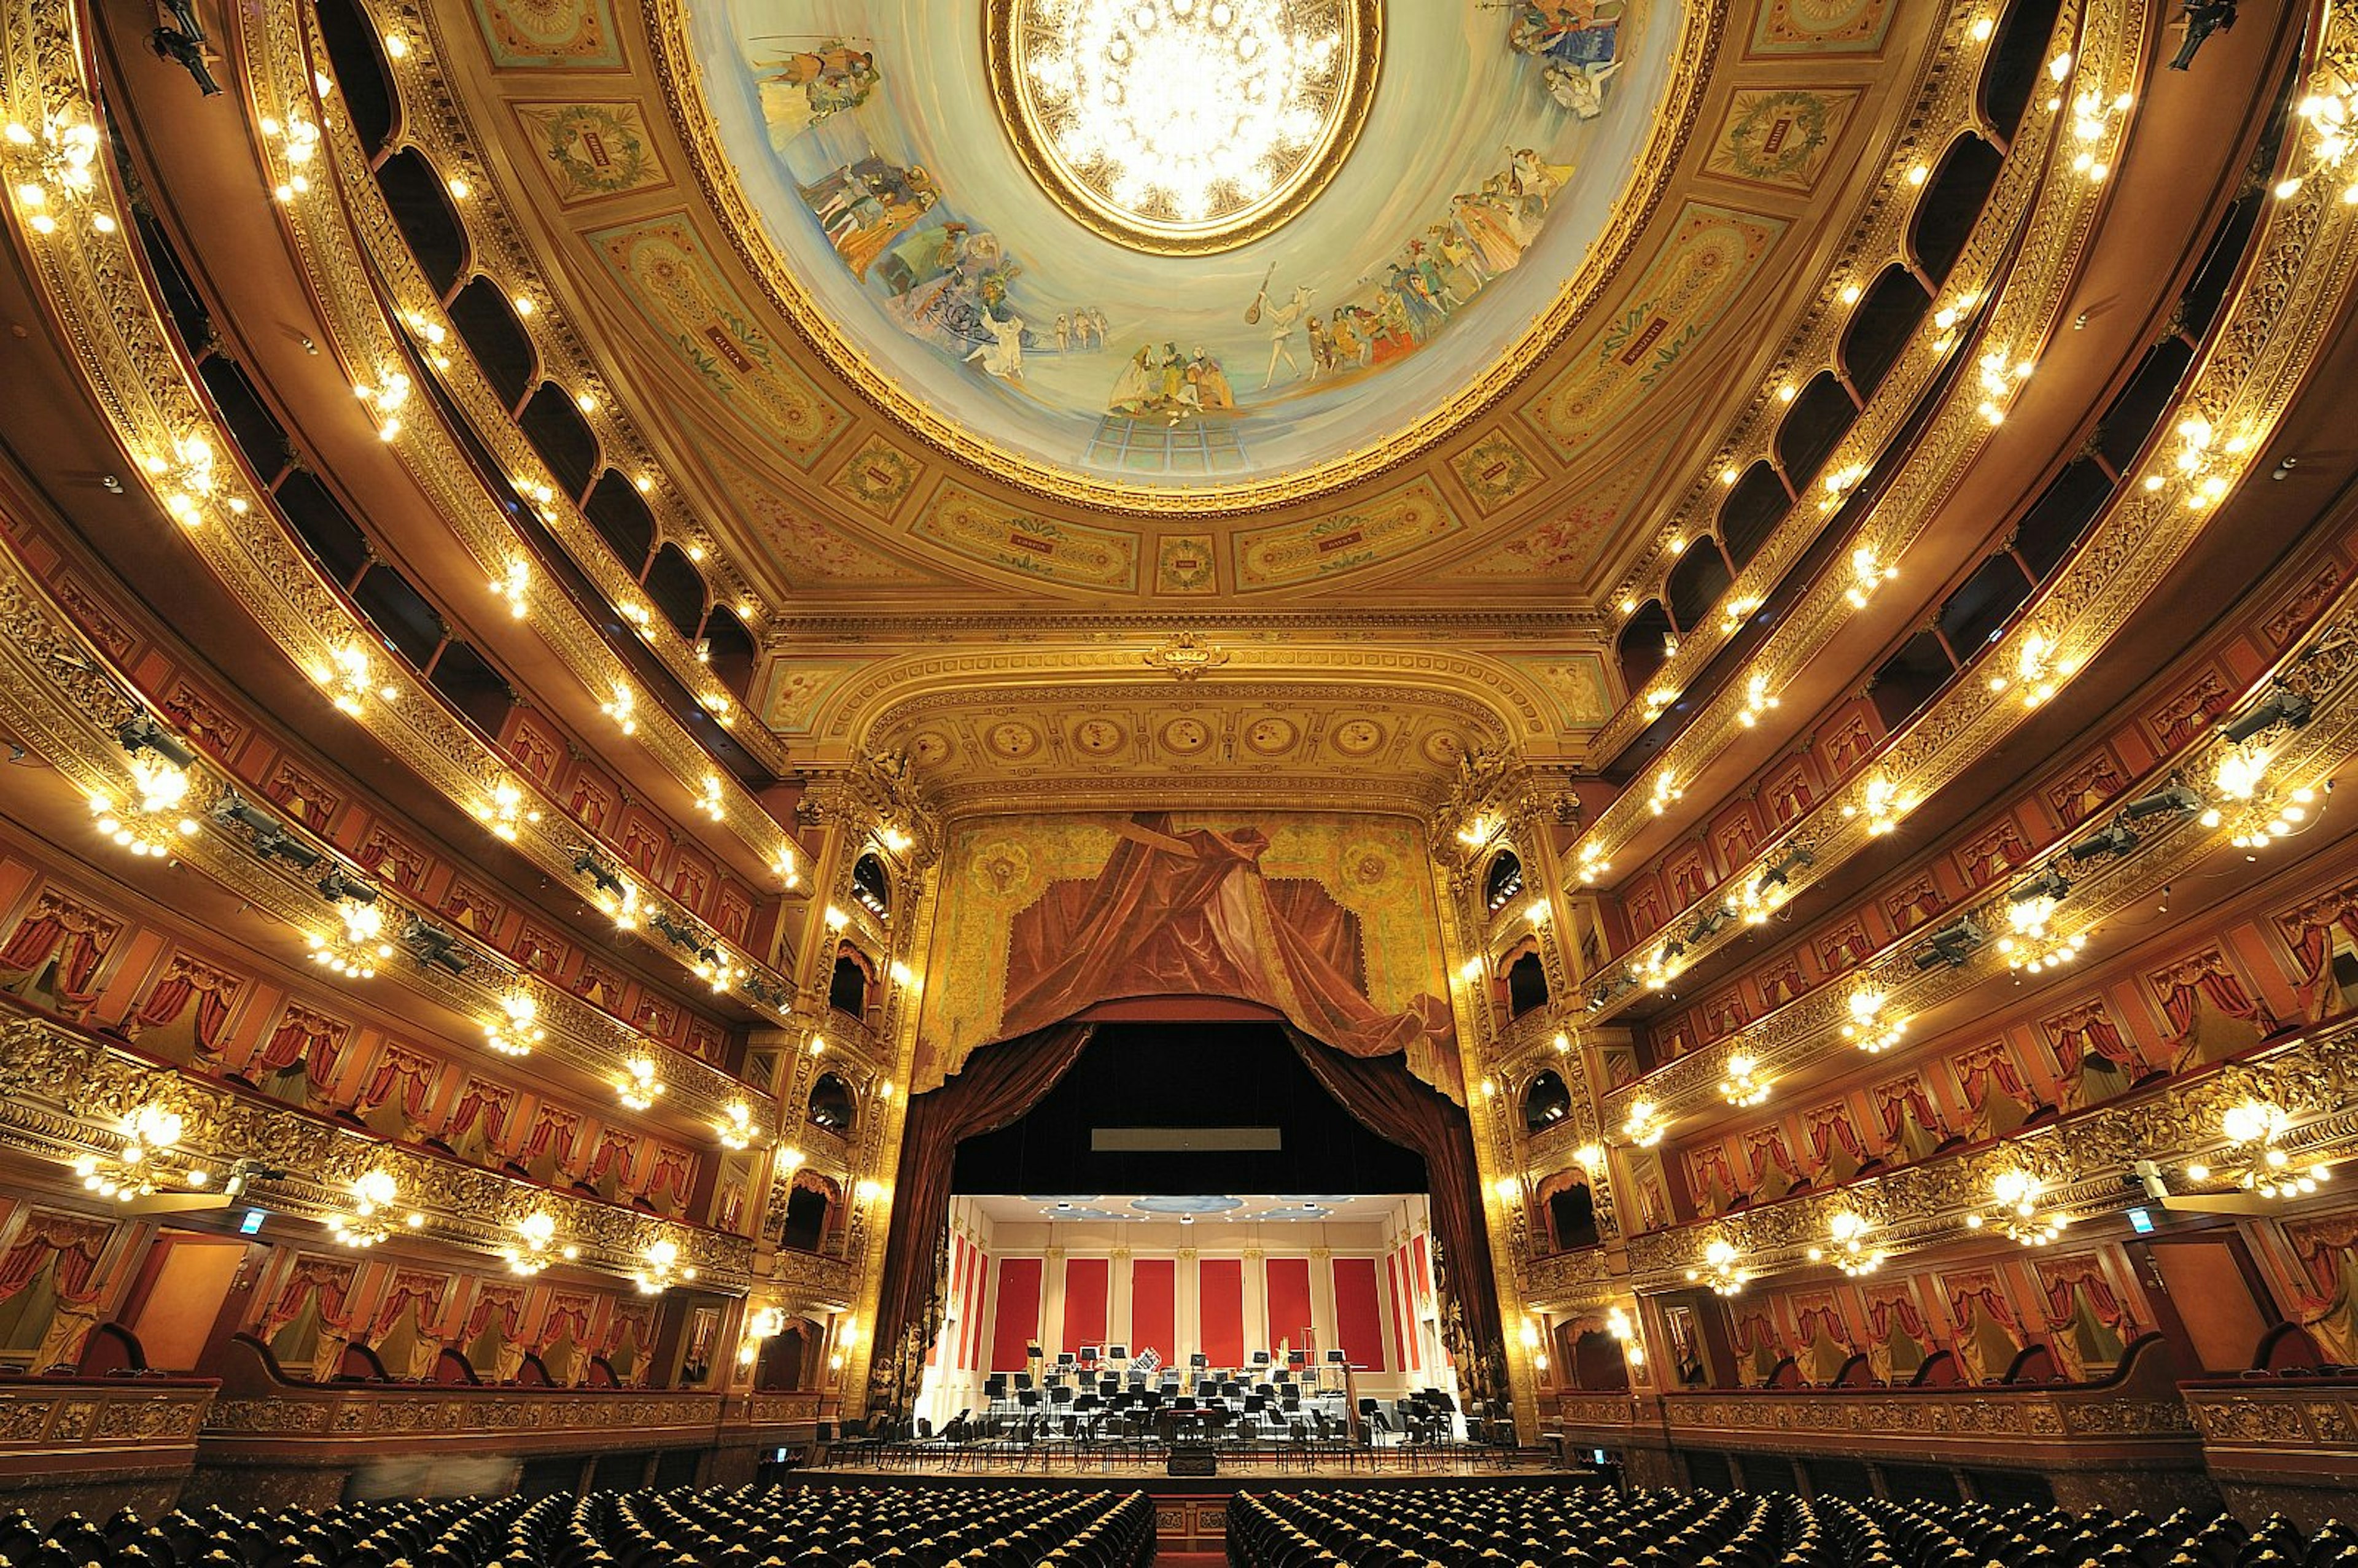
[1572, 32]
[1579, 88]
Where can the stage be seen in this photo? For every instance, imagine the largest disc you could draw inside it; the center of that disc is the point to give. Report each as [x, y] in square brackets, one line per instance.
[1191, 1511]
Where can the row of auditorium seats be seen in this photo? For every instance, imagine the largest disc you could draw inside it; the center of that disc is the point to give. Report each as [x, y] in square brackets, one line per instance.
[814, 1527]
[1523, 1527]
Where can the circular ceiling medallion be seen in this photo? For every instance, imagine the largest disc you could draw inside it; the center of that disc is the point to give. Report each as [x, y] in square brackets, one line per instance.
[1183, 126]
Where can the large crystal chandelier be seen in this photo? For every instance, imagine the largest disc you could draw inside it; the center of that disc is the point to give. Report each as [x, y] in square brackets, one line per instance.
[1184, 124]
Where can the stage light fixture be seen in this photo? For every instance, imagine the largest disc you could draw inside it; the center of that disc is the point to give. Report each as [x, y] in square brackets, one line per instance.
[2282, 705]
[2178, 797]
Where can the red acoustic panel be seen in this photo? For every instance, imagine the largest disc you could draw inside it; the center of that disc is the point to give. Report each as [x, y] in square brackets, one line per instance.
[1403, 1315]
[978, 1276]
[1358, 1319]
[1017, 1322]
[1288, 1304]
[1221, 1299]
[1153, 1307]
[1087, 1280]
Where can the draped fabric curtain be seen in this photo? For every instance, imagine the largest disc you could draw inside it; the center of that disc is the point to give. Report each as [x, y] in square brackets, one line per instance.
[1770, 1153]
[414, 1073]
[1977, 1073]
[423, 1292]
[1895, 1103]
[1397, 1105]
[1999, 1310]
[997, 1083]
[1816, 1320]
[330, 1282]
[555, 1128]
[1754, 1331]
[2209, 983]
[2090, 1032]
[2061, 1285]
[495, 1301]
[172, 995]
[675, 1171]
[478, 1101]
[1886, 1313]
[617, 1152]
[305, 1038]
[2310, 929]
[566, 1313]
[53, 933]
[1833, 1128]
[76, 1244]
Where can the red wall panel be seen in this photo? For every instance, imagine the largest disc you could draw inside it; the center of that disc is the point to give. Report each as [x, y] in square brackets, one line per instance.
[977, 1283]
[1403, 1315]
[1358, 1320]
[1017, 1321]
[1087, 1280]
[1153, 1307]
[1221, 1299]
[1288, 1304]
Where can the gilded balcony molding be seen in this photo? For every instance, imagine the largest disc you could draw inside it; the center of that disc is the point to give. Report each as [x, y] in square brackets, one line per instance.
[2324, 668]
[2030, 295]
[58, 693]
[373, 240]
[96, 286]
[1947, 107]
[67, 1094]
[2083, 1159]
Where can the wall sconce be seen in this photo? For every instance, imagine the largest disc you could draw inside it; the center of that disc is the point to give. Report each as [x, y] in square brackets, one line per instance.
[662, 1268]
[638, 1087]
[2017, 1215]
[2252, 1161]
[517, 1030]
[1868, 1029]
[1744, 1088]
[736, 1124]
[1644, 1124]
[1847, 1234]
[535, 1248]
[1723, 1268]
[371, 1220]
[150, 1134]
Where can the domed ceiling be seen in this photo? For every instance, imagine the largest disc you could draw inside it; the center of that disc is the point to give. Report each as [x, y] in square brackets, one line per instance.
[1344, 243]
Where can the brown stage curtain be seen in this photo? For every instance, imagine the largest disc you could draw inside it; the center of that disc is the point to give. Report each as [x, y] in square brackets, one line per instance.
[998, 1084]
[1394, 1105]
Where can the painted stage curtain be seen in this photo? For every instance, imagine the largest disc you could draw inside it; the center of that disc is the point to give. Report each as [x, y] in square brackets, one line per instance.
[998, 1084]
[1397, 1105]
[1189, 914]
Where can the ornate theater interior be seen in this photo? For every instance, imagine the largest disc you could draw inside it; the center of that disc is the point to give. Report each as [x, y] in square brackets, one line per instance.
[790, 773]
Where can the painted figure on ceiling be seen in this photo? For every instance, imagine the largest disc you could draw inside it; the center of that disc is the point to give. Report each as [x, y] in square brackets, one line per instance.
[864, 206]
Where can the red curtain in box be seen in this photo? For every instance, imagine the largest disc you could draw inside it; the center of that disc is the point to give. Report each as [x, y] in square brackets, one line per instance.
[76, 1244]
[1977, 1071]
[423, 1292]
[2090, 1031]
[184, 982]
[1897, 1104]
[2207, 979]
[480, 1101]
[674, 1172]
[2058, 1281]
[312, 1038]
[504, 1303]
[1897, 1310]
[403, 1071]
[2308, 930]
[64, 932]
[1830, 1127]
[324, 1278]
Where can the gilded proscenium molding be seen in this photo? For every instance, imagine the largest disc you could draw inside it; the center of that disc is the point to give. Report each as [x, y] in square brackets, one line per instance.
[1260, 668]
[2031, 294]
[2324, 669]
[59, 696]
[1947, 103]
[1696, 55]
[67, 1095]
[370, 345]
[554, 615]
[2251, 367]
[433, 120]
[96, 286]
[2083, 1159]
[1497, 803]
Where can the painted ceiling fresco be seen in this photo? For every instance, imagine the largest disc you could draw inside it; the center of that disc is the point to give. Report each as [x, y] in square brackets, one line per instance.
[1498, 142]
